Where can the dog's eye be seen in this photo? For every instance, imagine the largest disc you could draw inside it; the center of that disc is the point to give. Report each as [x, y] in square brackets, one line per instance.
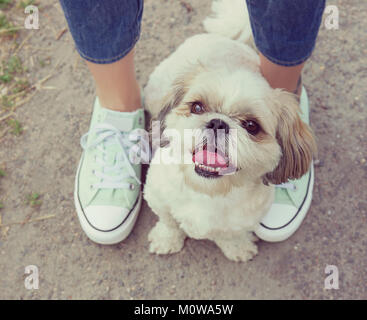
[251, 126]
[197, 108]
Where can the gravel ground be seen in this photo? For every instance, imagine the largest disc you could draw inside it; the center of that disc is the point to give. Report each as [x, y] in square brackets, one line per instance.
[45, 156]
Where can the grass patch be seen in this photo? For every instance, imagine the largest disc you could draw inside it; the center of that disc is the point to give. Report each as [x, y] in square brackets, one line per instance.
[14, 65]
[14, 84]
[16, 127]
[5, 4]
[11, 68]
[6, 103]
[33, 199]
[6, 27]
[25, 3]
[21, 85]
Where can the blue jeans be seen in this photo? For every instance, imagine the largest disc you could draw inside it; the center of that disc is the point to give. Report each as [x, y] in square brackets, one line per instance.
[104, 31]
[285, 31]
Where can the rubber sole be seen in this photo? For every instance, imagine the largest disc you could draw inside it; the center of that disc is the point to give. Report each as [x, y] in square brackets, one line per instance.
[105, 237]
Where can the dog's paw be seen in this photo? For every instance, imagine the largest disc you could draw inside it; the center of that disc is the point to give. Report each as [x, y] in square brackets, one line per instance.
[238, 251]
[165, 240]
[241, 255]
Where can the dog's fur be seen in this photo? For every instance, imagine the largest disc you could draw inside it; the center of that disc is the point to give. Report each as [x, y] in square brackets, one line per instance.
[222, 72]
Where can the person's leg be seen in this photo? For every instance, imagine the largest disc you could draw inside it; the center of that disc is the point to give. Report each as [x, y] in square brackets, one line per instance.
[116, 84]
[288, 78]
[105, 34]
[107, 192]
[285, 33]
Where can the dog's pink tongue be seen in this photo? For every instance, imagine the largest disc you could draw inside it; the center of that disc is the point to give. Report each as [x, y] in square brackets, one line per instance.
[209, 158]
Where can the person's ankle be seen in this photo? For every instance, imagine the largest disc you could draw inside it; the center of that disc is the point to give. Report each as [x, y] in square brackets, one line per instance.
[287, 78]
[121, 103]
[122, 106]
[127, 99]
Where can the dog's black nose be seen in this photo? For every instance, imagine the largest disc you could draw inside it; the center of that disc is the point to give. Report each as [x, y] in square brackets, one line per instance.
[216, 124]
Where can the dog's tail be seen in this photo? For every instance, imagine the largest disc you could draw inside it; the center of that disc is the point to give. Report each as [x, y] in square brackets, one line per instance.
[229, 18]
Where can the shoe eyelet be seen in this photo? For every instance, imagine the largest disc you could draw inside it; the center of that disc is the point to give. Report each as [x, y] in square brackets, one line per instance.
[91, 187]
[132, 186]
[140, 121]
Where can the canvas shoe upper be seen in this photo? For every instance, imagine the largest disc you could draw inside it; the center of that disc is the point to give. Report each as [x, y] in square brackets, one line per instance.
[107, 185]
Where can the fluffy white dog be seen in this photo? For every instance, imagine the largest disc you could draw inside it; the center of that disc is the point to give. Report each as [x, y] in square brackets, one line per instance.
[213, 82]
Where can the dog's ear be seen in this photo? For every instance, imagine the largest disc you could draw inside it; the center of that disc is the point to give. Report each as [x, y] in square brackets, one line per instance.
[295, 139]
[178, 90]
[169, 102]
[172, 99]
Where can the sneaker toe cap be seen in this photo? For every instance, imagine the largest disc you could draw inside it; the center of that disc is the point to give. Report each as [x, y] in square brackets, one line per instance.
[105, 218]
[279, 215]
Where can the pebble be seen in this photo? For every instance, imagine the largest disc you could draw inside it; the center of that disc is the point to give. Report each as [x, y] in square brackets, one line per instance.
[318, 163]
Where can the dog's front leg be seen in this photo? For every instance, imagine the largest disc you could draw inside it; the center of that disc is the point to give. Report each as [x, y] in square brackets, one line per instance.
[166, 236]
[239, 247]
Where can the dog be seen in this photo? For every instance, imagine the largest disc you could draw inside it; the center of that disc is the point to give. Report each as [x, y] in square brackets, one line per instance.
[213, 82]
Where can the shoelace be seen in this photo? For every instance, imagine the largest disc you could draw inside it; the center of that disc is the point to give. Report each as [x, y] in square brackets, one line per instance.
[113, 177]
[287, 185]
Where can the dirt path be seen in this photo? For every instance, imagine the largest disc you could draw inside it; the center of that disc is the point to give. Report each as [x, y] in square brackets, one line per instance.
[44, 157]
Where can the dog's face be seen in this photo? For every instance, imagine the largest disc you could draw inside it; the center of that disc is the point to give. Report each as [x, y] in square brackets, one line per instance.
[245, 131]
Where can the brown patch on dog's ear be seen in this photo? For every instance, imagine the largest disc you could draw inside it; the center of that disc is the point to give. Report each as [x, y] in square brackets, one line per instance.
[176, 94]
[170, 101]
[174, 97]
[295, 139]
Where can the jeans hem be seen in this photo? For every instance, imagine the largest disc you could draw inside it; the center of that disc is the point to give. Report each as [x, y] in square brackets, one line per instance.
[286, 63]
[135, 36]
